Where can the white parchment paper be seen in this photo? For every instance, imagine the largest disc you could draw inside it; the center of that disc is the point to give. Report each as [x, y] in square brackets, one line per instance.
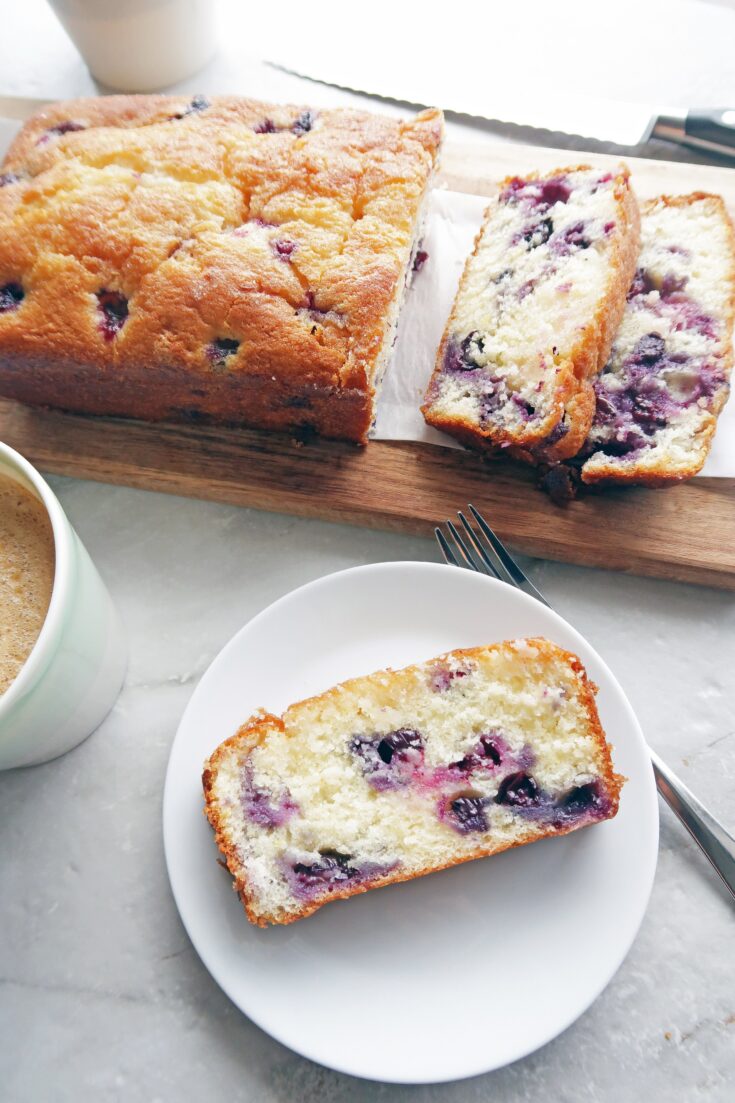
[453, 220]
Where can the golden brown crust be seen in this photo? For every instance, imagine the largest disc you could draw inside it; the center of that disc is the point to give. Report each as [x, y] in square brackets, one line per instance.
[285, 229]
[575, 400]
[661, 476]
[255, 730]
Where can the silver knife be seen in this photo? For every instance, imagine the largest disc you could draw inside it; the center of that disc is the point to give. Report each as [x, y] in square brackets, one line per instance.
[617, 122]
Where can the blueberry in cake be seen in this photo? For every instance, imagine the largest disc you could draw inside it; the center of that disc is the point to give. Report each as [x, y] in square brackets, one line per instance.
[211, 259]
[539, 301]
[667, 377]
[401, 773]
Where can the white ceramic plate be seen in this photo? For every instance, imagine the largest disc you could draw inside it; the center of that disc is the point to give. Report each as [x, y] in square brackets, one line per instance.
[452, 974]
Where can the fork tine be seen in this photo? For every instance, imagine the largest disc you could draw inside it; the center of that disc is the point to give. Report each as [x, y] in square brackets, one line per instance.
[479, 548]
[447, 552]
[463, 549]
[490, 552]
[515, 574]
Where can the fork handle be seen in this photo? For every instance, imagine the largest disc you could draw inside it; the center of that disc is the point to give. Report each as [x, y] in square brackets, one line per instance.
[717, 845]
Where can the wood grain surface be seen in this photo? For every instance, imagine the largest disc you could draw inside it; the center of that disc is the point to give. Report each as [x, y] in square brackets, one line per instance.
[686, 532]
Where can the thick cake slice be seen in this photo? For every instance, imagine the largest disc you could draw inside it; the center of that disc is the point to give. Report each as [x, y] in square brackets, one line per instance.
[540, 299]
[391, 776]
[667, 377]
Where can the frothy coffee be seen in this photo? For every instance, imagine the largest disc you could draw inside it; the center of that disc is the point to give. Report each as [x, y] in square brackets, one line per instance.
[27, 562]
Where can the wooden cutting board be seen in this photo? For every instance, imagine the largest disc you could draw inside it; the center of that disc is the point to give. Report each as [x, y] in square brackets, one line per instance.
[685, 533]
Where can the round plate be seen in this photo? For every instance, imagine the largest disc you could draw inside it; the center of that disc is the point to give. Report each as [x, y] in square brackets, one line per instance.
[449, 975]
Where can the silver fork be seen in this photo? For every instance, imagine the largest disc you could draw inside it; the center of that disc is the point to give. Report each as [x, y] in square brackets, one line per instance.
[479, 549]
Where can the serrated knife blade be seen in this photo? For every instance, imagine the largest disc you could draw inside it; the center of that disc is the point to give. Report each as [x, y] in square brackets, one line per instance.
[617, 122]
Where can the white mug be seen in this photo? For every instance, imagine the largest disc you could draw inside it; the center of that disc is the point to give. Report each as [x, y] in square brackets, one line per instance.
[73, 675]
[140, 45]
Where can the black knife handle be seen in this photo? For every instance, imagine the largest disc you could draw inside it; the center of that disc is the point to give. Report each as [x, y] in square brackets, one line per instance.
[715, 125]
[708, 128]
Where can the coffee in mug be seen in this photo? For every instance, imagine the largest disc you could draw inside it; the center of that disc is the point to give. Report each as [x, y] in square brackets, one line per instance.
[27, 564]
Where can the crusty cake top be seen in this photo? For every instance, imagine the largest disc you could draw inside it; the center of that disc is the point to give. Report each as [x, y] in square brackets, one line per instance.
[218, 234]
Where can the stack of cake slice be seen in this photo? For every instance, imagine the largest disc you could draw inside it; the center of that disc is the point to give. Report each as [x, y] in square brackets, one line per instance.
[577, 334]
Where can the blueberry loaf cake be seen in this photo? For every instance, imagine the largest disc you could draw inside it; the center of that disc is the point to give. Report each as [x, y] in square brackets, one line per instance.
[539, 301]
[210, 259]
[667, 377]
[401, 773]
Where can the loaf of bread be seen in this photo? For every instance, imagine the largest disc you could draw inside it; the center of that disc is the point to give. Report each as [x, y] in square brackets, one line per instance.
[539, 301]
[667, 377]
[209, 259]
[391, 776]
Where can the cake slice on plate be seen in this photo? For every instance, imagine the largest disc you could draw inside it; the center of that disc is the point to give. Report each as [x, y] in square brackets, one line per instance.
[538, 304]
[401, 773]
[667, 378]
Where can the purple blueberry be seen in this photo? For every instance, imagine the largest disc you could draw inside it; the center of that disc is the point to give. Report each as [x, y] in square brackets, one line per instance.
[689, 317]
[513, 188]
[642, 284]
[624, 443]
[536, 234]
[651, 412]
[399, 743]
[648, 352]
[304, 123]
[560, 481]
[67, 127]
[11, 296]
[672, 285]
[283, 248]
[555, 190]
[7, 178]
[571, 239]
[420, 259]
[389, 761]
[466, 813]
[539, 194]
[584, 798]
[525, 289]
[220, 350]
[488, 752]
[197, 104]
[262, 807]
[441, 677]
[460, 356]
[524, 408]
[491, 748]
[518, 790]
[559, 431]
[266, 126]
[333, 870]
[114, 309]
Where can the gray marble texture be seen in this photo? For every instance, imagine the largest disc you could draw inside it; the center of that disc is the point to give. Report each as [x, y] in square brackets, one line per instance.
[102, 997]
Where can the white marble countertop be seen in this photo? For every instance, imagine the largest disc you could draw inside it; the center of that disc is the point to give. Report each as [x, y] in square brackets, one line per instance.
[101, 994]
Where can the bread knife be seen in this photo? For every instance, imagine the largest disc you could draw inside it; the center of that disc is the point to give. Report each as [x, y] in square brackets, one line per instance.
[622, 124]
